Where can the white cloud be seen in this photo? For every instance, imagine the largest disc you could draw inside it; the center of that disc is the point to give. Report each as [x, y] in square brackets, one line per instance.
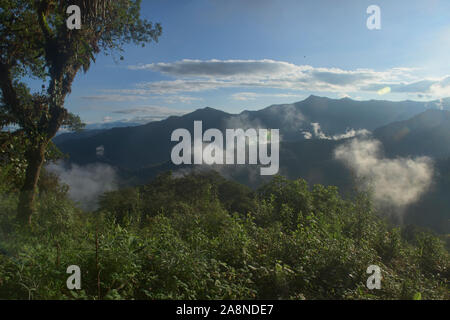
[343, 95]
[317, 133]
[180, 86]
[394, 182]
[248, 96]
[153, 110]
[181, 99]
[441, 89]
[146, 114]
[198, 76]
[115, 97]
[245, 96]
[384, 91]
[307, 135]
[221, 68]
[430, 88]
[242, 121]
[203, 75]
[142, 92]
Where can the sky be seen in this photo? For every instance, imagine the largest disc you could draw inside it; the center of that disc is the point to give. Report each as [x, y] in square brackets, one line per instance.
[237, 55]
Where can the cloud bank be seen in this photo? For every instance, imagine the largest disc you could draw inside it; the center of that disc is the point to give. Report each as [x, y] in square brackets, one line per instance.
[395, 183]
[220, 68]
[202, 75]
[157, 112]
[249, 96]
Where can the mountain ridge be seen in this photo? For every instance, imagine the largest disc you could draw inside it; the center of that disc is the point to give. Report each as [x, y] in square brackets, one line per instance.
[129, 147]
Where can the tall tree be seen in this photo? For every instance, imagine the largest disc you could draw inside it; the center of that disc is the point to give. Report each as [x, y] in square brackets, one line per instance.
[37, 43]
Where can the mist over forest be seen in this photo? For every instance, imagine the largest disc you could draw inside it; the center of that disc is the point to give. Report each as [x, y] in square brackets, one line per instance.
[224, 150]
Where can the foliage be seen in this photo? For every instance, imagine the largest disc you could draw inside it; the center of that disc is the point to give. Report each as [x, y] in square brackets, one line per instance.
[189, 238]
[36, 43]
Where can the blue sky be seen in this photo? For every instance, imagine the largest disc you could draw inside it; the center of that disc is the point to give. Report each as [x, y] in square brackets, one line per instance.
[247, 54]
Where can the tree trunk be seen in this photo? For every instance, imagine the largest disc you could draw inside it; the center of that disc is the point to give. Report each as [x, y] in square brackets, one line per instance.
[35, 158]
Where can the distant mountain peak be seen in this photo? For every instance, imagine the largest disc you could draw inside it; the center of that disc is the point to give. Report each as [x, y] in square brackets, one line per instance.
[206, 111]
[312, 97]
[315, 98]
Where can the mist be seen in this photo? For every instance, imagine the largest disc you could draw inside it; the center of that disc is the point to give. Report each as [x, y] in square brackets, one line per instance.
[242, 121]
[86, 183]
[395, 183]
[317, 133]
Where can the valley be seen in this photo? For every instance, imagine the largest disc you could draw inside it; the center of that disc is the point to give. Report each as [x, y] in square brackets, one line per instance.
[405, 129]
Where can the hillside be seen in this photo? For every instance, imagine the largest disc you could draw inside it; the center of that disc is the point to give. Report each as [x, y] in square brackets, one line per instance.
[427, 133]
[140, 153]
[204, 237]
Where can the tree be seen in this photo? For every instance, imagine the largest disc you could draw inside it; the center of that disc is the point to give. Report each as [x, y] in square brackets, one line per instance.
[36, 43]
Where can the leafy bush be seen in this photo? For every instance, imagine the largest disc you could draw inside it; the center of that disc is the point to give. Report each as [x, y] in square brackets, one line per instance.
[202, 237]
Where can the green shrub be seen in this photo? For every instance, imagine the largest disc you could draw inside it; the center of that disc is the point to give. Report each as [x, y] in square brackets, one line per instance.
[189, 238]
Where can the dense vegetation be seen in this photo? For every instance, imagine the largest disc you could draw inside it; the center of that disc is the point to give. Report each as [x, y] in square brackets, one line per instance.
[203, 237]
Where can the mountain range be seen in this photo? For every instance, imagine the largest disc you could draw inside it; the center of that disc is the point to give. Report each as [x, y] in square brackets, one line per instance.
[311, 130]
